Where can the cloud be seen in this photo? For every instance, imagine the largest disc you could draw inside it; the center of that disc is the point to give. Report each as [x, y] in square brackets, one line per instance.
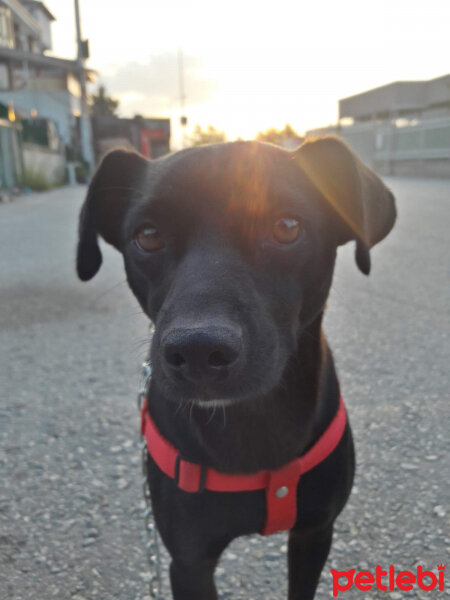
[154, 86]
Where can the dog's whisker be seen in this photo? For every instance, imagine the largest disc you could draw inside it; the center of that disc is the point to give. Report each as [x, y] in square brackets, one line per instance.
[107, 291]
[135, 313]
[213, 412]
[142, 340]
[138, 349]
[178, 408]
[140, 343]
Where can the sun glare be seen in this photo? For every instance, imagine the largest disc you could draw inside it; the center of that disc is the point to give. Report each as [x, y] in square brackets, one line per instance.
[265, 65]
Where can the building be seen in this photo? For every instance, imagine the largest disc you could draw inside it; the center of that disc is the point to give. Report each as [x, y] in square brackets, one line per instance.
[32, 83]
[150, 137]
[25, 25]
[402, 128]
[408, 100]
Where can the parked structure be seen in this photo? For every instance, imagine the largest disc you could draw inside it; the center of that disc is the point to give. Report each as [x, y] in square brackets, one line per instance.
[150, 137]
[399, 128]
[34, 85]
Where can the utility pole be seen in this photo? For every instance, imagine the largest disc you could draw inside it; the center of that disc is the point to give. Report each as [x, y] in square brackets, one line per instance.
[85, 122]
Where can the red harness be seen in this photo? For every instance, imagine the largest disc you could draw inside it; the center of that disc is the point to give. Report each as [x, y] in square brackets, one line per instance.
[280, 484]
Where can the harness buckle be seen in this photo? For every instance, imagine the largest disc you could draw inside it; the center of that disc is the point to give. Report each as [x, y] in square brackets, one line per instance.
[188, 476]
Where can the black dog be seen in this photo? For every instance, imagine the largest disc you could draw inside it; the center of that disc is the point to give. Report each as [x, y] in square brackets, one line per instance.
[230, 251]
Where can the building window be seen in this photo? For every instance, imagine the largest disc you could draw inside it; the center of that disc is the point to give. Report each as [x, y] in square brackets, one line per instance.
[4, 77]
[6, 28]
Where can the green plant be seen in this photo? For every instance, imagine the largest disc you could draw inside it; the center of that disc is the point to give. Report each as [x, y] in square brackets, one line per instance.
[36, 181]
[82, 172]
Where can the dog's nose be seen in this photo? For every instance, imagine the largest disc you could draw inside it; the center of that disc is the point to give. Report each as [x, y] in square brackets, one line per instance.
[201, 353]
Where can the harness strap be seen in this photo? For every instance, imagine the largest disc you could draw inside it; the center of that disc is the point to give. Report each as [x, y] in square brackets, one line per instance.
[280, 484]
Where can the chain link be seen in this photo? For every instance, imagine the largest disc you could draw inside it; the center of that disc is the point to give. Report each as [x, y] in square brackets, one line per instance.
[152, 545]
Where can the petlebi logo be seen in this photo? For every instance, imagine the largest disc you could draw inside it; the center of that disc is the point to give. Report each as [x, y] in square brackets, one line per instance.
[388, 580]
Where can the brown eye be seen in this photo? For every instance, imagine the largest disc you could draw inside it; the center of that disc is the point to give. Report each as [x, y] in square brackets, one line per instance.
[286, 230]
[149, 239]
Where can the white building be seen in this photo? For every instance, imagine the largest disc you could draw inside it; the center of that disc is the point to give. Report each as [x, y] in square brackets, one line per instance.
[401, 128]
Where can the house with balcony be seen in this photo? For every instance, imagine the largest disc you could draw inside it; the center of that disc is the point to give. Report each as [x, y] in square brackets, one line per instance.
[37, 86]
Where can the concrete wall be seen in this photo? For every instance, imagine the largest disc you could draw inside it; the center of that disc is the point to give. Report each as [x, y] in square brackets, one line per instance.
[49, 164]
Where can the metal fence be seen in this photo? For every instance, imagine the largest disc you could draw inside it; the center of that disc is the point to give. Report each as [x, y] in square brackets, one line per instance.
[420, 148]
[424, 140]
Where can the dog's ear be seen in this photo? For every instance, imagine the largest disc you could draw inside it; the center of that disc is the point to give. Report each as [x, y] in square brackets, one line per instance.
[364, 206]
[110, 191]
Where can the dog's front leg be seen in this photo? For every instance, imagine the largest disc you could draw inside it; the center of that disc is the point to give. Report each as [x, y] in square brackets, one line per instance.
[193, 581]
[307, 553]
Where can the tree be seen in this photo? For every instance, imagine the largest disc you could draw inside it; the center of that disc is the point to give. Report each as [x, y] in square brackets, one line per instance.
[210, 135]
[102, 105]
[276, 136]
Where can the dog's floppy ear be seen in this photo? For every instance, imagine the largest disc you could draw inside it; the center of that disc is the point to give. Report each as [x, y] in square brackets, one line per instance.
[110, 191]
[363, 204]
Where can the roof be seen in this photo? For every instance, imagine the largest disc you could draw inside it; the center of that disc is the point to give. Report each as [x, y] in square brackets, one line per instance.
[43, 60]
[40, 5]
[398, 96]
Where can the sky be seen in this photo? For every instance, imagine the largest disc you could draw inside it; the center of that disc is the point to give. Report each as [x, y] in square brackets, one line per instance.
[249, 66]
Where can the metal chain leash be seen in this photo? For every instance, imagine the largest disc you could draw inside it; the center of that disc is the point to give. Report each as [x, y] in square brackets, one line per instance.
[152, 545]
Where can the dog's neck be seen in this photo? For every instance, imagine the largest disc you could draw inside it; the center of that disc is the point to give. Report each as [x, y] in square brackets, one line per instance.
[264, 433]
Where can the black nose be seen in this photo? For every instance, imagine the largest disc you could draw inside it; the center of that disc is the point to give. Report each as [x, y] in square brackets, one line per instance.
[201, 353]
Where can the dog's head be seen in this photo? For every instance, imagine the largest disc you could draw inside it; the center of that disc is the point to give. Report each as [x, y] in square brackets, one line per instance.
[230, 251]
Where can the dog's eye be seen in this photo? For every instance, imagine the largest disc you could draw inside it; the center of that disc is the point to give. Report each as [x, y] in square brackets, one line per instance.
[149, 239]
[286, 230]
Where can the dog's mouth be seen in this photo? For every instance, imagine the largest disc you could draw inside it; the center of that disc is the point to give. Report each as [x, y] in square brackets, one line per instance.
[253, 381]
[184, 391]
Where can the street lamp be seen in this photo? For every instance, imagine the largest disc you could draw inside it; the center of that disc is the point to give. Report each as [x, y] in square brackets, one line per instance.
[183, 118]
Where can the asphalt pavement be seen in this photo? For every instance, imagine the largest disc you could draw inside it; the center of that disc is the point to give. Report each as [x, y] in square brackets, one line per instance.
[70, 499]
